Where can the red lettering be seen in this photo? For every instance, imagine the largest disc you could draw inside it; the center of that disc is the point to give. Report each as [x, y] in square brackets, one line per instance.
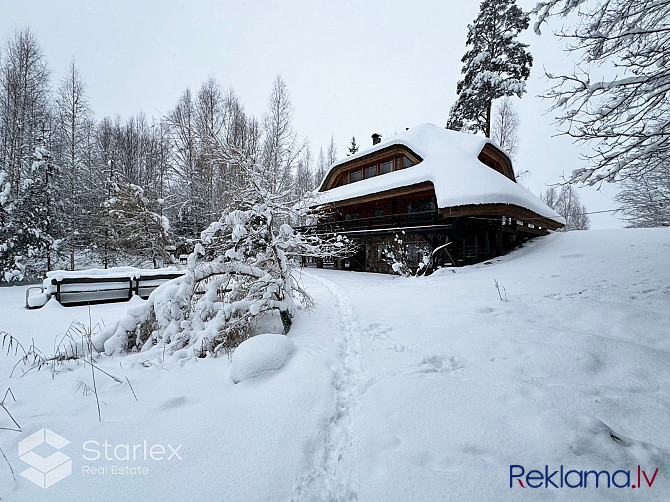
[652, 478]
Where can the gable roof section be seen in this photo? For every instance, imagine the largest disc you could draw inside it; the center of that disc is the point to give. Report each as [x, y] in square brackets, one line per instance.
[450, 163]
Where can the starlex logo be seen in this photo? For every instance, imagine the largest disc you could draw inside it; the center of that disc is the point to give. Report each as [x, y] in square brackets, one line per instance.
[45, 471]
[559, 478]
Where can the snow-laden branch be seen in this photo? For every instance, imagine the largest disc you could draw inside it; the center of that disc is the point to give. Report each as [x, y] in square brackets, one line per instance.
[244, 266]
[626, 118]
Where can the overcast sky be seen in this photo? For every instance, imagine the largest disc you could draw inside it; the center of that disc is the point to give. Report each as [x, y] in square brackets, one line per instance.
[352, 68]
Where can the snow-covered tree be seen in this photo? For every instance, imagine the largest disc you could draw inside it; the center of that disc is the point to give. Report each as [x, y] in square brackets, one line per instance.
[332, 152]
[136, 224]
[28, 239]
[495, 65]
[645, 200]
[618, 97]
[304, 179]
[321, 169]
[566, 202]
[281, 148]
[244, 267]
[24, 92]
[72, 115]
[353, 147]
[190, 208]
[210, 122]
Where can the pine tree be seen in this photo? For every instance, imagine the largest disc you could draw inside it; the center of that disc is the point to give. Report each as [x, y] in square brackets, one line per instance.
[495, 65]
[353, 147]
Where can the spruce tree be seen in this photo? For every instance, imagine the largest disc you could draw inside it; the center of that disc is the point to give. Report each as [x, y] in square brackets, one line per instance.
[495, 65]
[353, 147]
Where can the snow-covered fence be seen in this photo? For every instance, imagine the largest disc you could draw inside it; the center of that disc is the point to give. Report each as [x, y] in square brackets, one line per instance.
[82, 287]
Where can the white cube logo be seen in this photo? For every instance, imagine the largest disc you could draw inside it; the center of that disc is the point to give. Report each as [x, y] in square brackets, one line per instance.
[45, 471]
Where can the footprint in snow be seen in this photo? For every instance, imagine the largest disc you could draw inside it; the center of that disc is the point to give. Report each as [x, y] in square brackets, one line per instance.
[398, 347]
[427, 460]
[376, 331]
[175, 402]
[440, 364]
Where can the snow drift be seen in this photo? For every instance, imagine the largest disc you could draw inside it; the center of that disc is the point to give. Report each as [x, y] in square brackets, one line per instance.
[260, 355]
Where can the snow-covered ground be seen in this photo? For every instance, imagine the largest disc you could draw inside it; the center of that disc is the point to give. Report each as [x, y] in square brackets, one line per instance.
[400, 389]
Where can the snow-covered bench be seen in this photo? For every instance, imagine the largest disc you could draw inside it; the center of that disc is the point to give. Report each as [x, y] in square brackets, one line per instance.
[82, 287]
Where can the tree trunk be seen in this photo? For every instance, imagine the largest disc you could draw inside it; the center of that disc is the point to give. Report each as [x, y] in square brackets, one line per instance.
[487, 132]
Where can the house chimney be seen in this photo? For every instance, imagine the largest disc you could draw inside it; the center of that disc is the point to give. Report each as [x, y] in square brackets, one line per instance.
[376, 138]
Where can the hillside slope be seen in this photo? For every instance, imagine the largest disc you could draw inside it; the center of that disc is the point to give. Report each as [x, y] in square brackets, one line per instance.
[400, 389]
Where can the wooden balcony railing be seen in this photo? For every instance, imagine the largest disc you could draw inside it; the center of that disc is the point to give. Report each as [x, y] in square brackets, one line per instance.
[403, 220]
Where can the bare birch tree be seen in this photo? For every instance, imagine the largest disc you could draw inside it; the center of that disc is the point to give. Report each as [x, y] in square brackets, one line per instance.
[505, 127]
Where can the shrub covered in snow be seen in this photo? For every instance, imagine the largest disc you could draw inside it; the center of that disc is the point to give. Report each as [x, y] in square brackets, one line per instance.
[259, 355]
[243, 267]
[397, 255]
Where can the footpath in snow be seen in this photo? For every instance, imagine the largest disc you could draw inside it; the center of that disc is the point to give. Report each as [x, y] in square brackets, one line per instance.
[571, 368]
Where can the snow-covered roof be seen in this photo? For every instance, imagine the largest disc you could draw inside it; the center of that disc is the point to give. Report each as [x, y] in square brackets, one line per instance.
[450, 162]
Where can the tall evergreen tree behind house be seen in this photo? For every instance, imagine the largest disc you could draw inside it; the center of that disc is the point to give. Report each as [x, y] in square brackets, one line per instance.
[495, 65]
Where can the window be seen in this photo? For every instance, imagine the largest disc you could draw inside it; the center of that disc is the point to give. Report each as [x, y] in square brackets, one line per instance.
[381, 252]
[351, 216]
[420, 206]
[386, 167]
[376, 169]
[379, 211]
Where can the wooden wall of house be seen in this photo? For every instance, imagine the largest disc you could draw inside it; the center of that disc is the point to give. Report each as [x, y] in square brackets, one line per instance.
[390, 205]
[472, 241]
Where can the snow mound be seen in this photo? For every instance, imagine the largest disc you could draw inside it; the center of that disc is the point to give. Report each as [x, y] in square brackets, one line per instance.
[259, 355]
[37, 300]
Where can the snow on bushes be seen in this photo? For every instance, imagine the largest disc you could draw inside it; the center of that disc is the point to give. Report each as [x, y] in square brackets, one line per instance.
[243, 267]
[259, 355]
[397, 255]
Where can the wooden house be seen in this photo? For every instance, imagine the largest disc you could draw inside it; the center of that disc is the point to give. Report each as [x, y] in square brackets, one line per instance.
[439, 190]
